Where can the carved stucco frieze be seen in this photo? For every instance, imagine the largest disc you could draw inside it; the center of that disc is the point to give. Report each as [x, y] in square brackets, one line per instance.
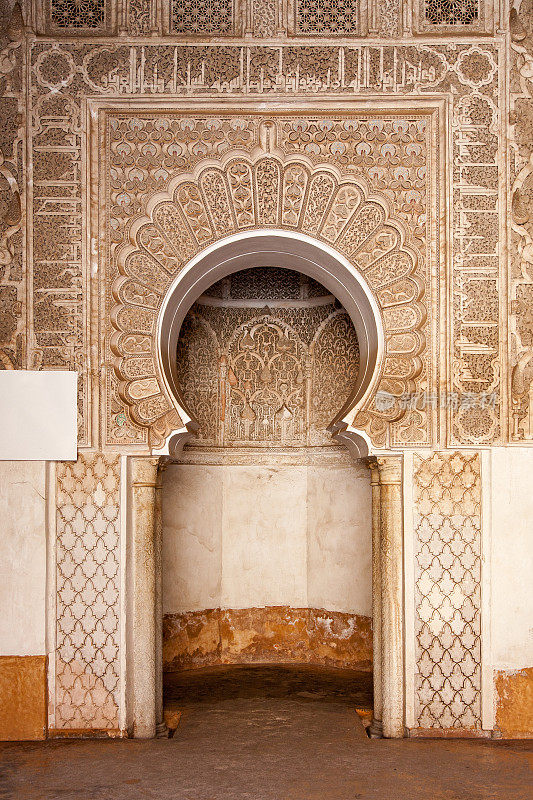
[521, 245]
[271, 375]
[12, 273]
[266, 18]
[241, 193]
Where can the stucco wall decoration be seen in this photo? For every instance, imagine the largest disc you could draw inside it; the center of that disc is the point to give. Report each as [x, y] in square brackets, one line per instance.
[85, 676]
[136, 134]
[448, 590]
[276, 374]
[521, 275]
[244, 193]
[64, 74]
[269, 18]
[12, 274]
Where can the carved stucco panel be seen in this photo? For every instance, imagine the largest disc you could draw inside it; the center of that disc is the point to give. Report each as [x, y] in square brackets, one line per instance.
[12, 198]
[521, 244]
[85, 693]
[62, 75]
[248, 196]
[447, 524]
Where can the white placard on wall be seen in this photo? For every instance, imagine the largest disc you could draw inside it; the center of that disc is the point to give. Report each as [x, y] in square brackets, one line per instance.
[38, 415]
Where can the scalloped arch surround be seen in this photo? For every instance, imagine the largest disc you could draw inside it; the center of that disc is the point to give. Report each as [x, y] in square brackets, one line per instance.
[242, 194]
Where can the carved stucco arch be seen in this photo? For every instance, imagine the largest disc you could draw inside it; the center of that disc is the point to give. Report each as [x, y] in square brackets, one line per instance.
[266, 210]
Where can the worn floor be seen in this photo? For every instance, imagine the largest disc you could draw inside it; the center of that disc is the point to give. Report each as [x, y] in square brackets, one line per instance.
[267, 734]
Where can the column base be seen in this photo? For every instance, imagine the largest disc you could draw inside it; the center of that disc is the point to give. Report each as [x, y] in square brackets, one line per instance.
[161, 731]
[376, 729]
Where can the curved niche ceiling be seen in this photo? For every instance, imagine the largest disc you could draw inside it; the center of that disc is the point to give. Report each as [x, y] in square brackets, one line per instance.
[266, 357]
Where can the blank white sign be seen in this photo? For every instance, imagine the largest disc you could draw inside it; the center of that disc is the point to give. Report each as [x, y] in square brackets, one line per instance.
[38, 415]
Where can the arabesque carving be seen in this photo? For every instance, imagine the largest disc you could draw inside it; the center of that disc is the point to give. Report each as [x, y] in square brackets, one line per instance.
[12, 273]
[392, 153]
[271, 376]
[521, 285]
[447, 519]
[243, 193]
[85, 692]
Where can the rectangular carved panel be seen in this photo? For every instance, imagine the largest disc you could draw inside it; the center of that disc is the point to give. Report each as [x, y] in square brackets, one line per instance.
[349, 143]
[87, 657]
[451, 12]
[202, 17]
[71, 16]
[327, 17]
[447, 524]
[521, 257]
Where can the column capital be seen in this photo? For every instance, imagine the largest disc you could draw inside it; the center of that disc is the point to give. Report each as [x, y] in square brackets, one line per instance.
[144, 471]
[371, 463]
[385, 469]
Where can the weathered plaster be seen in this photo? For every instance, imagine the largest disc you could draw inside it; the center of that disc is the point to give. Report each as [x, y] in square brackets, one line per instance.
[22, 558]
[511, 558]
[514, 703]
[241, 536]
[258, 635]
[22, 697]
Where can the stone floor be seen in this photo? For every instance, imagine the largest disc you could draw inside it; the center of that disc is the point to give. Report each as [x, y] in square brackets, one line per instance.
[267, 734]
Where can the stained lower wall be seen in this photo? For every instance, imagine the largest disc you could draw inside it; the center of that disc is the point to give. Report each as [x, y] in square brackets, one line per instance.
[262, 635]
[267, 561]
[22, 600]
[511, 572]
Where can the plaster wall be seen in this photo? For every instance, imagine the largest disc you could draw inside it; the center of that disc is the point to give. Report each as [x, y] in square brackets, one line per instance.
[512, 558]
[22, 558]
[22, 600]
[239, 536]
[267, 562]
[512, 589]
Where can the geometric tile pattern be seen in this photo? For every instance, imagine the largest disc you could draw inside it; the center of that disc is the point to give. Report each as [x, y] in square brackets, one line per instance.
[447, 501]
[78, 14]
[88, 593]
[451, 12]
[197, 17]
[323, 17]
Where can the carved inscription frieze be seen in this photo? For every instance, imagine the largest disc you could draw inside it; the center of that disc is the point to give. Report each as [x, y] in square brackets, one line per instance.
[521, 245]
[12, 195]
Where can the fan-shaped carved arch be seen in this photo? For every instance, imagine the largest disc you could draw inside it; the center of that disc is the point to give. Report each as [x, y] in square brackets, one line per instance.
[240, 194]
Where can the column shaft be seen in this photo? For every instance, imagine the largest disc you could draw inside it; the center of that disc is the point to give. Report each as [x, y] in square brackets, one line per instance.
[391, 564]
[142, 644]
[376, 728]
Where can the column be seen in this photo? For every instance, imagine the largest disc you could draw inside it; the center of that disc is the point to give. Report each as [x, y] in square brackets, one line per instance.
[391, 573]
[142, 597]
[376, 728]
[161, 728]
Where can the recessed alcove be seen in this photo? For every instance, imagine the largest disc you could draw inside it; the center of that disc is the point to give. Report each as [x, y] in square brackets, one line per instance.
[267, 536]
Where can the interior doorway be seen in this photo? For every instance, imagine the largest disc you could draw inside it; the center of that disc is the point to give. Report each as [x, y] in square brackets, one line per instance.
[266, 558]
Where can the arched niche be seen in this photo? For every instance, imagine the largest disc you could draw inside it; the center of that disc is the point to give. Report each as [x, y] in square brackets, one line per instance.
[296, 251]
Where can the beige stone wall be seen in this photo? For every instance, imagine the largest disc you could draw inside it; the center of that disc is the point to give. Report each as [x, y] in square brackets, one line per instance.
[511, 590]
[23, 600]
